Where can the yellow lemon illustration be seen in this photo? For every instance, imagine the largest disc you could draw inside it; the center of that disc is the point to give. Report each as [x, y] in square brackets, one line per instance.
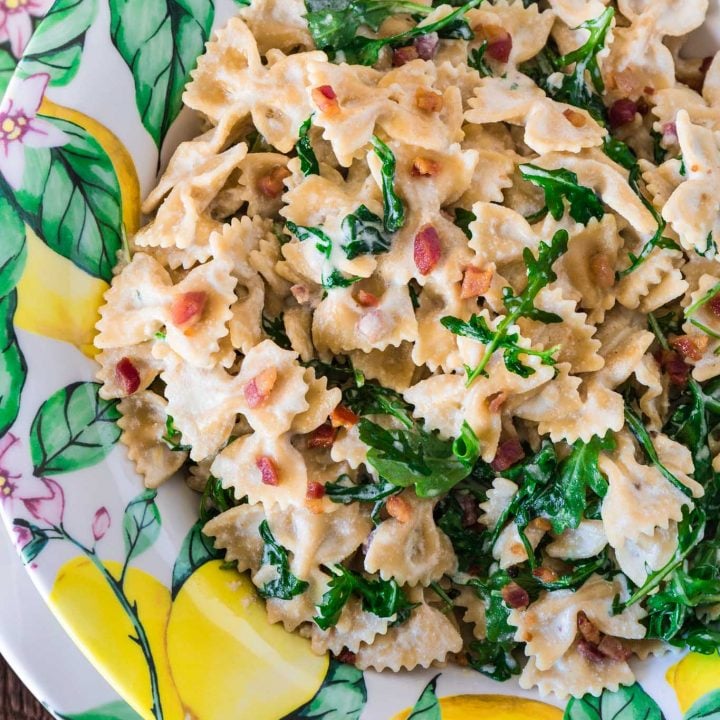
[693, 677]
[55, 297]
[497, 707]
[89, 609]
[227, 660]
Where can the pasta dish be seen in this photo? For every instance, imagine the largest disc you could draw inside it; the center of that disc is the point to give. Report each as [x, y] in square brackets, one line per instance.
[429, 314]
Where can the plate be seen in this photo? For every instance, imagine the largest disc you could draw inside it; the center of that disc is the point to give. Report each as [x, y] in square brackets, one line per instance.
[126, 571]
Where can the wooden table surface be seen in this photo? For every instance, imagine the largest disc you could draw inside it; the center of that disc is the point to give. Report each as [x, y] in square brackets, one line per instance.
[16, 701]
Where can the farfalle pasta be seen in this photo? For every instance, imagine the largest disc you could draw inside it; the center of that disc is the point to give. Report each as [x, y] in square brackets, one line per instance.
[429, 314]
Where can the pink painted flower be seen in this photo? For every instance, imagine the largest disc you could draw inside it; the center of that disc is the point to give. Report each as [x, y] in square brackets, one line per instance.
[16, 21]
[9, 444]
[101, 523]
[49, 508]
[22, 536]
[20, 128]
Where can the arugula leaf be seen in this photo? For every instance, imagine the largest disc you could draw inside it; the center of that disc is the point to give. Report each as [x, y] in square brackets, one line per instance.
[172, 437]
[541, 67]
[467, 542]
[702, 300]
[394, 210]
[362, 50]
[308, 160]
[477, 329]
[335, 279]
[383, 598]
[341, 491]
[476, 60]
[564, 501]
[659, 152]
[556, 491]
[689, 425]
[638, 429]
[370, 398]
[415, 457]
[463, 218]
[364, 234]
[215, 499]
[619, 152]
[495, 656]
[323, 243]
[573, 89]
[334, 23]
[561, 184]
[285, 586]
[274, 328]
[539, 273]
[690, 531]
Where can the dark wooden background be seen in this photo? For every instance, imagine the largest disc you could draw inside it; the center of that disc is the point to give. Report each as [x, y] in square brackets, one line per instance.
[16, 702]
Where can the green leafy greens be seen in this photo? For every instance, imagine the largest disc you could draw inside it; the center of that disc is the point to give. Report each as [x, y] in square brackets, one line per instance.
[363, 50]
[274, 328]
[560, 185]
[215, 499]
[308, 160]
[333, 24]
[413, 456]
[573, 89]
[619, 152]
[691, 577]
[285, 586]
[364, 234]
[539, 273]
[383, 598]
[331, 278]
[173, 437]
[394, 210]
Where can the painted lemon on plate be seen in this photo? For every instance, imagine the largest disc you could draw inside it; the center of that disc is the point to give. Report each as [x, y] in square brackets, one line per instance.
[87, 606]
[55, 297]
[693, 677]
[228, 661]
[216, 655]
[497, 707]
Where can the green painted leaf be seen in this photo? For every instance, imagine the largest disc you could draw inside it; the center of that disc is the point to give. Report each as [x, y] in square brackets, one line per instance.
[342, 696]
[71, 197]
[57, 45]
[160, 41]
[13, 369]
[427, 707]
[38, 540]
[197, 549]
[628, 703]
[141, 524]
[114, 711]
[73, 429]
[13, 251]
[706, 708]
[7, 68]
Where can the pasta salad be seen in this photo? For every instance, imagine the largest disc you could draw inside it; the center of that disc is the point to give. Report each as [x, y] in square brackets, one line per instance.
[429, 314]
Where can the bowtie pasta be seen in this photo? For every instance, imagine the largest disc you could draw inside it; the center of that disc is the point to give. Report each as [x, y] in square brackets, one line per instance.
[430, 316]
